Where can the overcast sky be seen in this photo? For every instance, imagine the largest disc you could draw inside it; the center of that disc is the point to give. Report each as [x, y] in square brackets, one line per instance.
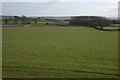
[107, 8]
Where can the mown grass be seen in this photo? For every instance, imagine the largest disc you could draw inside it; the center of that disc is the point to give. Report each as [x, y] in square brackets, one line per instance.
[59, 52]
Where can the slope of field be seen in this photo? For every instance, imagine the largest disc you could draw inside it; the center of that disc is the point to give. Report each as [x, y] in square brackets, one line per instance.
[59, 52]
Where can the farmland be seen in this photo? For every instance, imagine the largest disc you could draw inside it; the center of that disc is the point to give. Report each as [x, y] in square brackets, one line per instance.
[59, 52]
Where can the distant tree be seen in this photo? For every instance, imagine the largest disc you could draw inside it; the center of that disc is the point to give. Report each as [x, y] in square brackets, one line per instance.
[91, 21]
[28, 20]
[23, 19]
[79, 20]
[6, 20]
[47, 23]
[35, 21]
[39, 18]
[115, 22]
[16, 19]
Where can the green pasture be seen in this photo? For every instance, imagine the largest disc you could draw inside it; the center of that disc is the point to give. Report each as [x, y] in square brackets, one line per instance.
[39, 22]
[59, 52]
[111, 28]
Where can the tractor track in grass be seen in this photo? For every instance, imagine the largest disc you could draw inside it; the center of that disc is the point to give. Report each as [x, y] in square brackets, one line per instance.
[53, 69]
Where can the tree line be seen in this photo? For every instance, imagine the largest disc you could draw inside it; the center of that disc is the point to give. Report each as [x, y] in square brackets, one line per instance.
[21, 20]
[91, 21]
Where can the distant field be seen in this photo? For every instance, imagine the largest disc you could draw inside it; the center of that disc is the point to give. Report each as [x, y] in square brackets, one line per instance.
[59, 52]
[107, 27]
[111, 28]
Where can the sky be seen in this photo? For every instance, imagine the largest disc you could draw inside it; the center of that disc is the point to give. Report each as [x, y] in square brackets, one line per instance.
[108, 8]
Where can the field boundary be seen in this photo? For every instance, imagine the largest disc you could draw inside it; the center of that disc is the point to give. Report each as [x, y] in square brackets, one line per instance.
[106, 29]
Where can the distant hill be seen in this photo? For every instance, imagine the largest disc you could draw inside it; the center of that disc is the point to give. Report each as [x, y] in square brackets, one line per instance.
[43, 17]
[3, 16]
[55, 17]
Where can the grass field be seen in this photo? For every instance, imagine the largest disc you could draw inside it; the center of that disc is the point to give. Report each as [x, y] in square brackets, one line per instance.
[111, 28]
[59, 52]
